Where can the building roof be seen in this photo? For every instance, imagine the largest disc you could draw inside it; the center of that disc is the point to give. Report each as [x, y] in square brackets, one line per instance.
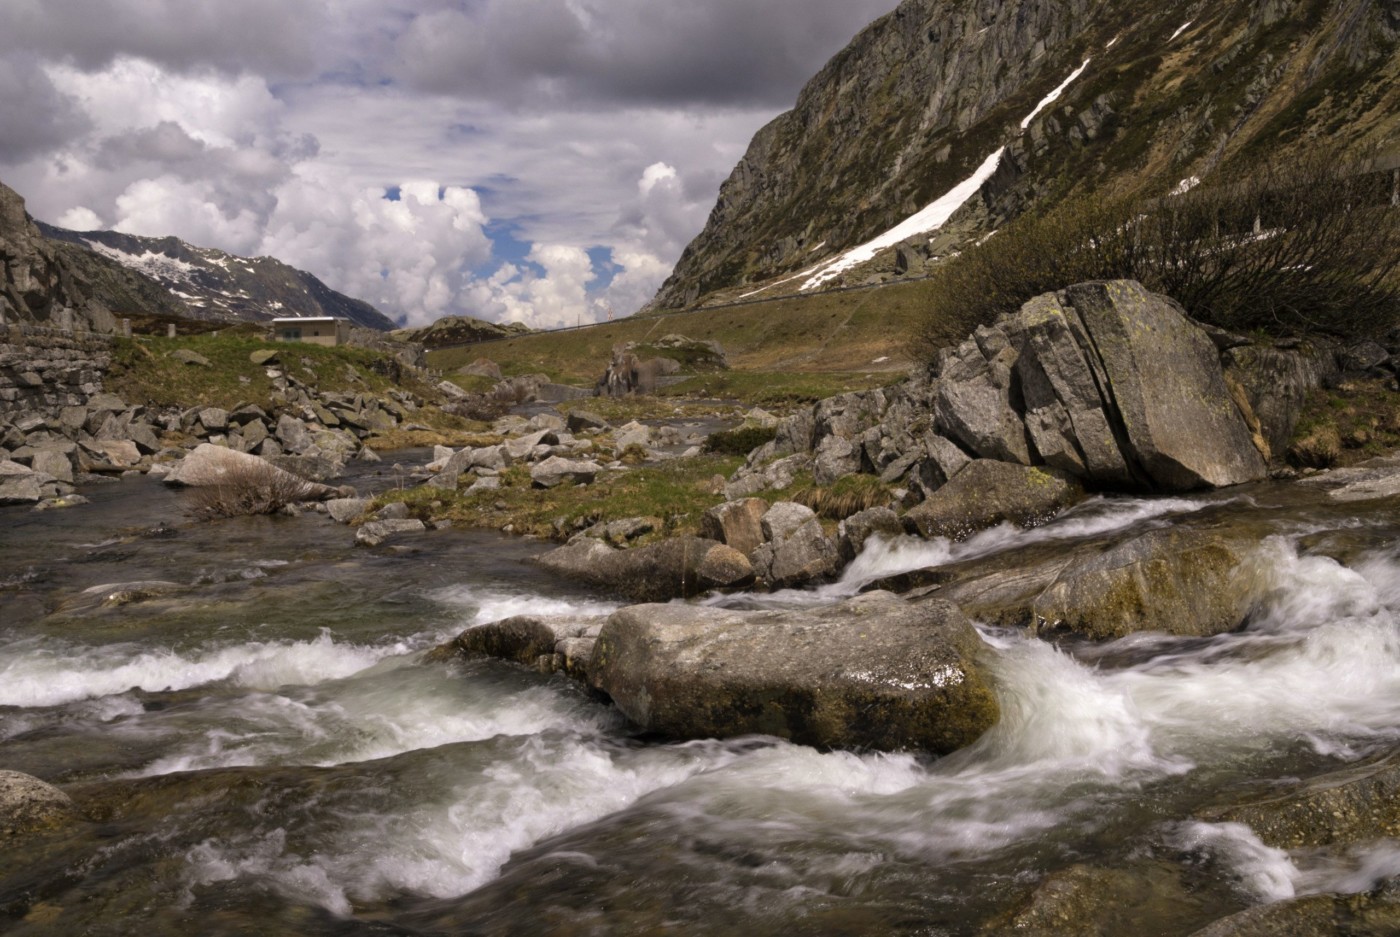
[284, 319]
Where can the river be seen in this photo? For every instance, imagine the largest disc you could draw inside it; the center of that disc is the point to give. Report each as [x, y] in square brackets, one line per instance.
[260, 749]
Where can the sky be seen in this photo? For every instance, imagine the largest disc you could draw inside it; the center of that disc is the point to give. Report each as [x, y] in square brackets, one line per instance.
[535, 161]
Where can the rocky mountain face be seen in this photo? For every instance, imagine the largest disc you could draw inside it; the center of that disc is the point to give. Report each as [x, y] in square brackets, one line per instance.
[49, 283]
[459, 330]
[214, 285]
[925, 96]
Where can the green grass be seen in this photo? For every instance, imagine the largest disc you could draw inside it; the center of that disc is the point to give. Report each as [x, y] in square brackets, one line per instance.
[678, 492]
[1362, 418]
[143, 370]
[776, 389]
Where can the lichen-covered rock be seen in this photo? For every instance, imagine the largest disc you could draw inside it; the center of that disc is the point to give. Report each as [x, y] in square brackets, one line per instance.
[29, 805]
[874, 671]
[1180, 581]
[986, 493]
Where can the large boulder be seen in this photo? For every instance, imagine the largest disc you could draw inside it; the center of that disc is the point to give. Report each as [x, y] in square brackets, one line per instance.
[669, 569]
[871, 672]
[1178, 580]
[214, 465]
[19, 484]
[1168, 388]
[556, 470]
[986, 493]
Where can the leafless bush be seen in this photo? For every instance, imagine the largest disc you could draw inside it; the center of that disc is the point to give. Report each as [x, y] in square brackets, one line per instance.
[1311, 245]
[247, 489]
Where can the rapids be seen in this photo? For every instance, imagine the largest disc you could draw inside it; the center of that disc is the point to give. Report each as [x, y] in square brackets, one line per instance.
[260, 749]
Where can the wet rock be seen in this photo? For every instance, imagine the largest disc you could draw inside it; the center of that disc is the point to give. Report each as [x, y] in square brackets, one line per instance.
[29, 805]
[853, 532]
[1091, 901]
[1365, 915]
[1358, 804]
[1180, 581]
[874, 671]
[1373, 479]
[675, 568]
[738, 524]
[523, 639]
[797, 550]
[556, 470]
[986, 493]
[373, 533]
[345, 510]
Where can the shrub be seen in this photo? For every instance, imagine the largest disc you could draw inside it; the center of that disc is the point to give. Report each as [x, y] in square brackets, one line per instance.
[245, 490]
[1311, 245]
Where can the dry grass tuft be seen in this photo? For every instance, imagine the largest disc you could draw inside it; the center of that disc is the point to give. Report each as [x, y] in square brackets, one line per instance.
[247, 490]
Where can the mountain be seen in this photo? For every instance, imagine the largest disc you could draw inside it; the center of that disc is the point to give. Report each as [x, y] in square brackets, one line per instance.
[460, 330]
[214, 285]
[945, 119]
[40, 278]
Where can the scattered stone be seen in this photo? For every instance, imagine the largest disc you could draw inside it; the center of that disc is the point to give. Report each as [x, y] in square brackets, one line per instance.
[345, 510]
[676, 568]
[738, 524]
[556, 470]
[263, 357]
[185, 356]
[580, 420]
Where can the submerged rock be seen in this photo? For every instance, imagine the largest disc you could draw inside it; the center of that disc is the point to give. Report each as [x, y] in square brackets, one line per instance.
[873, 671]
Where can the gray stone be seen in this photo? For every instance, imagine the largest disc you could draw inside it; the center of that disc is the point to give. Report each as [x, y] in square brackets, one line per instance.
[214, 465]
[555, 471]
[522, 447]
[581, 420]
[55, 462]
[263, 357]
[1184, 429]
[855, 531]
[491, 483]
[986, 493]
[293, 434]
[393, 511]
[345, 510]
[784, 519]
[974, 402]
[214, 419]
[738, 524]
[373, 533]
[185, 356]
[805, 555]
[871, 672]
[632, 434]
[19, 484]
[836, 457]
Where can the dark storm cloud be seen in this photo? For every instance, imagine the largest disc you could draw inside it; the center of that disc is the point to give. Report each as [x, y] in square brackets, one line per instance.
[274, 37]
[35, 117]
[542, 52]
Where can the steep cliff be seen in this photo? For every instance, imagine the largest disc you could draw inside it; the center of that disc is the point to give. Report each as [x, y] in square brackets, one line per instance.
[40, 280]
[940, 93]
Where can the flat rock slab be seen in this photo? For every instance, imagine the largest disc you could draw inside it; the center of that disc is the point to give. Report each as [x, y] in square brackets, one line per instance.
[875, 671]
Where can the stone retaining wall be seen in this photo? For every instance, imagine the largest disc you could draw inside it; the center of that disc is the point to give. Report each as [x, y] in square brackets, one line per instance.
[43, 370]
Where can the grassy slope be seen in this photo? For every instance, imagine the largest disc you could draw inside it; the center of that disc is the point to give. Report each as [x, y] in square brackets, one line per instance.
[816, 345]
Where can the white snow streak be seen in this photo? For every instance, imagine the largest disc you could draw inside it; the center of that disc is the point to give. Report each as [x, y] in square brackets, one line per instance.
[1181, 29]
[931, 218]
[1050, 98]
